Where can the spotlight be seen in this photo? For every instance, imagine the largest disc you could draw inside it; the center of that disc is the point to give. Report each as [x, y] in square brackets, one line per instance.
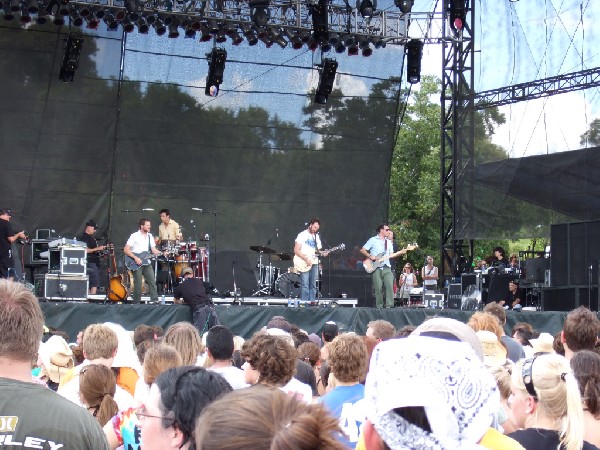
[279, 38]
[236, 39]
[313, 45]
[259, 11]
[379, 43]
[334, 38]
[76, 19]
[349, 41]
[340, 47]
[221, 38]
[25, 17]
[366, 48]
[216, 66]
[326, 47]
[120, 15]
[205, 35]
[63, 8]
[249, 34]
[142, 26]
[353, 50]
[33, 6]
[404, 5]
[151, 19]
[366, 7]
[195, 23]
[326, 79]
[414, 52]
[92, 22]
[456, 14]
[305, 37]
[296, 42]
[320, 20]
[128, 27]
[41, 17]
[71, 60]
[15, 5]
[58, 20]
[173, 29]
[110, 22]
[8, 14]
[159, 27]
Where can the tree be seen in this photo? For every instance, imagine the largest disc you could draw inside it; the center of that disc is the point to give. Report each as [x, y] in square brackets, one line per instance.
[591, 137]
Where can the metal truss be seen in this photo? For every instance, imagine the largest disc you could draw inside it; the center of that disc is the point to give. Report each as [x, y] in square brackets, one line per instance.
[457, 130]
[546, 87]
[384, 27]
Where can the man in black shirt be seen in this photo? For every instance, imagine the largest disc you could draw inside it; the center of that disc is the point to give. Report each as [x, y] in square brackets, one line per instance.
[192, 292]
[7, 237]
[515, 295]
[93, 258]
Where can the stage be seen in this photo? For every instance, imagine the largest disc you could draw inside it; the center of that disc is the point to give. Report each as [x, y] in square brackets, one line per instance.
[244, 319]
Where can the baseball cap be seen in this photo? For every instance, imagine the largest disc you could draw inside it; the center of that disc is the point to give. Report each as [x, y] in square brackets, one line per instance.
[6, 211]
[91, 223]
[330, 328]
[187, 270]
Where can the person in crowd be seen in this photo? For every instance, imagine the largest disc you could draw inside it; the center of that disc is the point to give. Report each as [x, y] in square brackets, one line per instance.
[513, 263]
[544, 343]
[586, 367]
[123, 429]
[7, 237]
[557, 345]
[310, 353]
[382, 330]
[176, 400]
[580, 331]
[370, 343]
[271, 360]
[55, 359]
[410, 403]
[32, 413]
[502, 376]
[126, 363]
[328, 333]
[515, 349]
[192, 292]
[481, 320]
[143, 333]
[406, 281]
[93, 256]
[429, 274]
[97, 386]
[348, 361]
[522, 332]
[236, 358]
[100, 344]
[494, 353]
[546, 405]
[375, 248]
[142, 348]
[186, 340]
[219, 347]
[405, 331]
[264, 418]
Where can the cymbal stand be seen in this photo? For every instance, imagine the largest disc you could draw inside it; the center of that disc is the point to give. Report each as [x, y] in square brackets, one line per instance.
[263, 288]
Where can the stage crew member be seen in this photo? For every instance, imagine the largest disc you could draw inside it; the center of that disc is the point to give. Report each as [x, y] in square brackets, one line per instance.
[192, 292]
[429, 273]
[306, 247]
[7, 237]
[139, 243]
[93, 258]
[383, 278]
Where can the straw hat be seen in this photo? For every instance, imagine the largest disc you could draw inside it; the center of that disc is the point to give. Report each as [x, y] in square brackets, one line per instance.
[494, 353]
[543, 344]
[56, 357]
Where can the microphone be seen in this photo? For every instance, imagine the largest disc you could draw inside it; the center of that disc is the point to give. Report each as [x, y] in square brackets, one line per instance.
[277, 231]
[197, 209]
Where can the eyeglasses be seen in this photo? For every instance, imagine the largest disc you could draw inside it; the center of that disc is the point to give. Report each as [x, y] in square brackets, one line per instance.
[141, 414]
[528, 378]
[408, 267]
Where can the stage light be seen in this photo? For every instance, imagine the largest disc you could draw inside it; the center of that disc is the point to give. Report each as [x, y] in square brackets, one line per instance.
[353, 50]
[159, 27]
[278, 37]
[349, 40]
[379, 43]
[63, 8]
[259, 11]
[249, 34]
[41, 18]
[133, 7]
[33, 6]
[340, 47]
[110, 22]
[297, 43]
[313, 44]
[236, 39]
[71, 60]
[173, 29]
[404, 5]
[366, 7]
[326, 47]
[189, 33]
[195, 23]
[414, 52]
[8, 13]
[320, 21]
[151, 19]
[76, 19]
[25, 17]
[334, 38]
[58, 20]
[326, 78]
[216, 66]
[221, 38]
[456, 14]
[15, 5]
[365, 47]
[142, 26]
[128, 27]
[205, 35]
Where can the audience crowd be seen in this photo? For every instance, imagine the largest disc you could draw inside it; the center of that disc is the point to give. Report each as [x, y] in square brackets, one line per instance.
[442, 384]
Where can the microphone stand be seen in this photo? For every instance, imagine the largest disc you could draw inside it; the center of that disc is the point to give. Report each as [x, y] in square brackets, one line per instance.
[214, 238]
[590, 286]
[235, 291]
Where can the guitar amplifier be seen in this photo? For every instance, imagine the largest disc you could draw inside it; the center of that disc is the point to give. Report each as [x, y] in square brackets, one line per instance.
[455, 296]
[59, 287]
[435, 301]
[39, 246]
[73, 261]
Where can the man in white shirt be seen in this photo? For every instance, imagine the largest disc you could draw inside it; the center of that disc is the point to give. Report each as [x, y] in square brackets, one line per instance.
[306, 247]
[219, 347]
[140, 247]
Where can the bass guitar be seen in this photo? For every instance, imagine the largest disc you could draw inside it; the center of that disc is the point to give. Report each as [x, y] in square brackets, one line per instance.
[146, 258]
[117, 290]
[371, 266]
[302, 266]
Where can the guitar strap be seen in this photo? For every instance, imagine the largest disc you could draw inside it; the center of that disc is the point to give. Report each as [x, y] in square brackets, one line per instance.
[149, 248]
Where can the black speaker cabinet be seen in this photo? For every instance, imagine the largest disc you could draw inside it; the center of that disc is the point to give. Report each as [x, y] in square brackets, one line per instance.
[498, 286]
[455, 296]
[575, 253]
[466, 280]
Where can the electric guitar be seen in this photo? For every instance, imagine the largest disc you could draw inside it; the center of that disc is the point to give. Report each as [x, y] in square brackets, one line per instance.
[371, 266]
[146, 258]
[301, 266]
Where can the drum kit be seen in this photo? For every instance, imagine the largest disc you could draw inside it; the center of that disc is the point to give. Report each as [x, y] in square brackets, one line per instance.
[270, 281]
[179, 255]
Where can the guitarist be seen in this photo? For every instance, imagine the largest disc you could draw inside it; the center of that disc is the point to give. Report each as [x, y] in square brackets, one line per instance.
[93, 258]
[306, 247]
[139, 242]
[7, 237]
[383, 278]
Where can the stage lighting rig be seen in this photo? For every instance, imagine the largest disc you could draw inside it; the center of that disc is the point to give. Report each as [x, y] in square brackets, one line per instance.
[414, 53]
[71, 60]
[327, 72]
[216, 66]
[320, 21]
[457, 13]
[259, 10]
[405, 6]
[366, 7]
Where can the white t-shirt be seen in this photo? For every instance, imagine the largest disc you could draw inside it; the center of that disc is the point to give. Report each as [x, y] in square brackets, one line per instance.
[298, 390]
[233, 375]
[309, 242]
[139, 243]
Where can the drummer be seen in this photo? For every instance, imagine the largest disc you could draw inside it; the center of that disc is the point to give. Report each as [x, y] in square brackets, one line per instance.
[168, 231]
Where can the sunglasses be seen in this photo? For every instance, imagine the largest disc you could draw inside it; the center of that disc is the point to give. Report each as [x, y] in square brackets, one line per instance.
[528, 378]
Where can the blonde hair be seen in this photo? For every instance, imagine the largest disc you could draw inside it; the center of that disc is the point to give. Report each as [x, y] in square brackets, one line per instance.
[99, 341]
[487, 322]
[158, 359]
[557, 395]
[186, 340]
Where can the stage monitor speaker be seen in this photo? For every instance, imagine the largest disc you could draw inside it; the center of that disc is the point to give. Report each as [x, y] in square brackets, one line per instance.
[559, 265]
[535, 269]
[584, 294]
[559, 299]
[466, 280]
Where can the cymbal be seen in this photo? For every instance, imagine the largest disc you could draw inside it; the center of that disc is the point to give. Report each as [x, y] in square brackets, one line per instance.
[261, 249]
[284, 256]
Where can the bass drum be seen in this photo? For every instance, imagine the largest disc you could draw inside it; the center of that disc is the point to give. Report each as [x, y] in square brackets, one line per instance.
[288, 285]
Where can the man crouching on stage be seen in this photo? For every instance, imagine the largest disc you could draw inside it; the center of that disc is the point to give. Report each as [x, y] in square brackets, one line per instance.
[191, 291]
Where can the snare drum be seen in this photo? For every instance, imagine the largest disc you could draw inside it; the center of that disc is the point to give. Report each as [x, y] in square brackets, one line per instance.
[268, 275]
